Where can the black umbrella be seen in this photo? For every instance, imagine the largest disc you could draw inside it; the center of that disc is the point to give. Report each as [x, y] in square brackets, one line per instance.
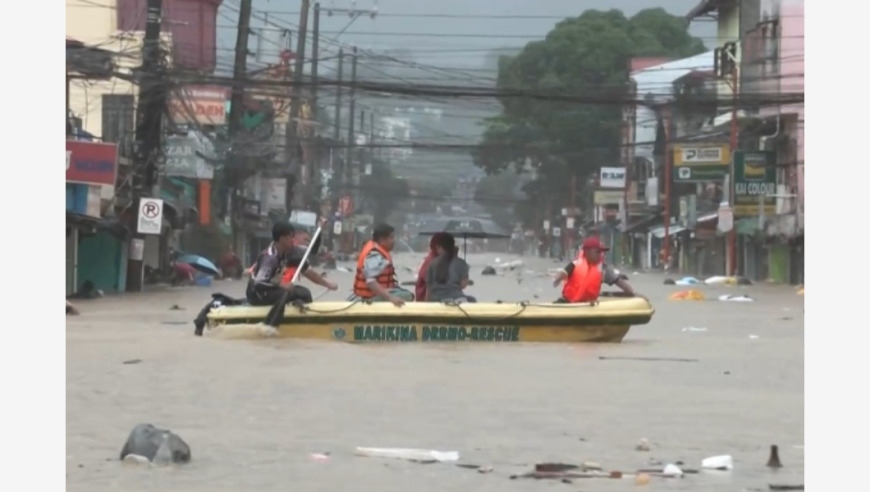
[465, 227]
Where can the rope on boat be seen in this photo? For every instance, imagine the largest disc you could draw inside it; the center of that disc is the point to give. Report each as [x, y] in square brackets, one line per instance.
[523, 305]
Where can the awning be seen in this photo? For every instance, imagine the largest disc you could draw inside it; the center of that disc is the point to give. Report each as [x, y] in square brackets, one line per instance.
[81, 221]
[659, 232]
[639, 224]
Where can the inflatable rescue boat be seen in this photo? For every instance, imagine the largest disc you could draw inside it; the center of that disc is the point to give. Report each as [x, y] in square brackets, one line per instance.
[605, 321]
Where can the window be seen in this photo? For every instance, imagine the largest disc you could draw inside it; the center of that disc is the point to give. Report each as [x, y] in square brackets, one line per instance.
[118, 117]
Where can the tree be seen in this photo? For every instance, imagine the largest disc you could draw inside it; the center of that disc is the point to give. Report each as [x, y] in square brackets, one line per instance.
[586, 55]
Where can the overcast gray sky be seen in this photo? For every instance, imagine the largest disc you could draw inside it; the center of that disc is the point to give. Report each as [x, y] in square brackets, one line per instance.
[534, 18]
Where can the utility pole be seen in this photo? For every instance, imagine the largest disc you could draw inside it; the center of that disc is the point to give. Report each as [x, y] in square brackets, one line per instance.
[149, 133]
[336, 128]
[725, 67]
[372, 137]
[290, 139]
[667, 177]
[351, 142]
[732, 234]
[315, 61]
[237, 107]
[240, 69]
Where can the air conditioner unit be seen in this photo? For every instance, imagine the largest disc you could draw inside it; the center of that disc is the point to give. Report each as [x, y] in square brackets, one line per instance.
[784, 204]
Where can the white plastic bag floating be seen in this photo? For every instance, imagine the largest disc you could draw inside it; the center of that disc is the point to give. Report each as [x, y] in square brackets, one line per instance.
[723, 462]
[720, 280]
[409, 454]
[672, 470]
[733, 298]
[687, 281]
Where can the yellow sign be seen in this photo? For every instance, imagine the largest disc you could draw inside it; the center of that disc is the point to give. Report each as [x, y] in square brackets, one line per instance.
[753, 170]
[747, 209]
[701, 155]
[602, 197]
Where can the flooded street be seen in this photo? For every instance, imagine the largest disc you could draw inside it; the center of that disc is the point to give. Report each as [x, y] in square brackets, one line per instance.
[254, 410]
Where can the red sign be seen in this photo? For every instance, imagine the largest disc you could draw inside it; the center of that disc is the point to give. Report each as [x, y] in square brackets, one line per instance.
[91, 162]
[205, 105]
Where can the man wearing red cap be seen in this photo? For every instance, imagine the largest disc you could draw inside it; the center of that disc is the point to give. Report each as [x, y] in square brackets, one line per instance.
[583, 277]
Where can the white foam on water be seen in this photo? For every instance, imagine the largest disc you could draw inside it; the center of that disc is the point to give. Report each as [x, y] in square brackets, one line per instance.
[242, 331]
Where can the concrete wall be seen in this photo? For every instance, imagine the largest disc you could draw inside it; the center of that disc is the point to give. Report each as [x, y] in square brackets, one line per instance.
[789, 79]
[792, 73]
[93, 22]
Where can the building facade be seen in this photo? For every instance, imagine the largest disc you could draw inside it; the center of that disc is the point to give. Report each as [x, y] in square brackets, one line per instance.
[101, 112]
[768, 166]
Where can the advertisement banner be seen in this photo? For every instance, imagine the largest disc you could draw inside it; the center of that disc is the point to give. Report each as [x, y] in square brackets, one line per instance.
[701, 154]
[200, 104]
[602, 197]
[699, 174]
[700, 163]
[754, 182]
[612, 178]
[182, 159]
[91, 163]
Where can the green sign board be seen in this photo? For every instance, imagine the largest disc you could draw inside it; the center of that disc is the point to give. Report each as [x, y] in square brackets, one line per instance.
[698, 173]
[754, 177]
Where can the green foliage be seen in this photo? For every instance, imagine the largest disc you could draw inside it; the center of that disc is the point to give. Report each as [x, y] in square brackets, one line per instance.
[587, 55]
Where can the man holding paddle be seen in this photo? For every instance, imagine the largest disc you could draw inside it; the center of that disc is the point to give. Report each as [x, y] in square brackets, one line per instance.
[273, 277]
[278, 268]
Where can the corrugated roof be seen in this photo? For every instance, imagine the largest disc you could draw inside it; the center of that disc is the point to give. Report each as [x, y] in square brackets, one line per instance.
[705, 7]
[655, 85]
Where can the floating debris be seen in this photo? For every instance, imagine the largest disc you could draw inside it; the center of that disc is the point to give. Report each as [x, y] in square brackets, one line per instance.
[650, 359]
[421, 455]
[132, 361]
[71, 310]
[672, 471]
[687, 295]
[723, 462]
[693, 329]
[736, 298]
[642, 479]
[773, 460]
[643, 445]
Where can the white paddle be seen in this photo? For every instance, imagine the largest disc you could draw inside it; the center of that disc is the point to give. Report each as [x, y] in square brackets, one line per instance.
[305, 257]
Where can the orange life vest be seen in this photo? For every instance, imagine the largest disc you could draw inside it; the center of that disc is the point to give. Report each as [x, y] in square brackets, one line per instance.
[288, 275]
[387, 278]
[584, 284]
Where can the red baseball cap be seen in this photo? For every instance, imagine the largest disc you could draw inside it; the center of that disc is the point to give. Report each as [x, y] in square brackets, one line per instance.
[594, 243]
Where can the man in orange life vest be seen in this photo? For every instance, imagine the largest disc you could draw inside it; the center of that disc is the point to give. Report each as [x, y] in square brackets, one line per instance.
[375, 274]
[583, 277]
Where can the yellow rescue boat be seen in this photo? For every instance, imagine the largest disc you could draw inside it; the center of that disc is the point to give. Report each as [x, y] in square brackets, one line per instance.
[606, 321]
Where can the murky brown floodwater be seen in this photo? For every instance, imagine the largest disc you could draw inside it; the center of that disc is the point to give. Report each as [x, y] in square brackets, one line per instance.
[253, 410]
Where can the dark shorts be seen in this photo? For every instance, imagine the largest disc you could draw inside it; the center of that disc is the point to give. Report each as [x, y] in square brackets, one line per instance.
[268, 297]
